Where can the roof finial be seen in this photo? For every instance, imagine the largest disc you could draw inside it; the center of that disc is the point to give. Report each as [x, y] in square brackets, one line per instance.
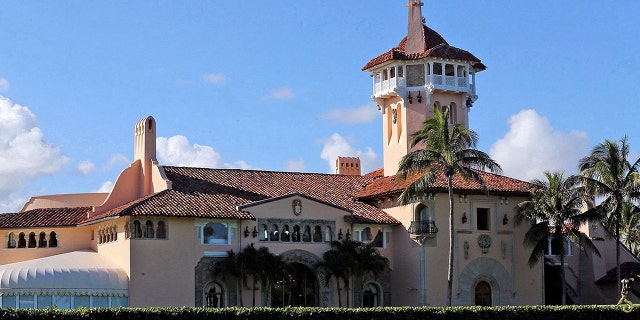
[415, 36]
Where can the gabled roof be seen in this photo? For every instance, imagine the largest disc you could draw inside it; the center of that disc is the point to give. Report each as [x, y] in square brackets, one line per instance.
[436, 47]
[49, 217]
[218, 193]
[496, 184]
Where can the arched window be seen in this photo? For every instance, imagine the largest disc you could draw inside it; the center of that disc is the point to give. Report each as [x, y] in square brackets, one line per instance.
[453, 113]
[295, 237]
[275, 234]
[42, 241]
[422, 213]
[114, 233]
[214, 296]
[12, 240]
[162, 230]
[32, 240]
[127, 231]
[53, 239]
[306, 236]
[265, 233]
[22, 240]
[371, 296]
[215, 233]
[148, 230]
[483, 294]
[328, 234]
[317, 234]
[137, 229]
[286, 235]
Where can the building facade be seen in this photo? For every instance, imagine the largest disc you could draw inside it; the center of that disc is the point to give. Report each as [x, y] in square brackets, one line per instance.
[156, 237]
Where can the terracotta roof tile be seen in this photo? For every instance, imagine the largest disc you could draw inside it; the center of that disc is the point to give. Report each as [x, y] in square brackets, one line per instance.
[495, 184]
[436, 47]
[216, 193]
[49, 217]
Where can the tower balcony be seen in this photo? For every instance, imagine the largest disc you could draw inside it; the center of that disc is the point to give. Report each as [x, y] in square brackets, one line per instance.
[423, 228]
[433, 83]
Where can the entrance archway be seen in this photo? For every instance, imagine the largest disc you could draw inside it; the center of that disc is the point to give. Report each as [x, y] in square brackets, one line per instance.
[483, 294]
[298, 288]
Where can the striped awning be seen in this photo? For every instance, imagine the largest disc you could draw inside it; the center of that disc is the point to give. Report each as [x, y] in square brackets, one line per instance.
[73, 273]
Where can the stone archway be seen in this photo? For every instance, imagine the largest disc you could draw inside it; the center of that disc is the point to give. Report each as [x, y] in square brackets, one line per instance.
[484, 270]
[310, 261]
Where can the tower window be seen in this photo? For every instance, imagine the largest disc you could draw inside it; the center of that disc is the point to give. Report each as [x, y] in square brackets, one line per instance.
[482, 218]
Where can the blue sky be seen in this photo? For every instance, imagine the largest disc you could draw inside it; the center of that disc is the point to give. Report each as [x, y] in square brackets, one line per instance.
[277, 85]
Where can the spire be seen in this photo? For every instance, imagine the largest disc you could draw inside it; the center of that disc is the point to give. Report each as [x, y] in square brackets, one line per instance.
[415, 35]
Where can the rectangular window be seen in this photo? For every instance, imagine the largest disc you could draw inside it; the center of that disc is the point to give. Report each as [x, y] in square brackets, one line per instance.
[482, 218]
[119, 302]
[99, 302]
[25, 302]
[44, 302]
[81, 302]
[8, 301]
[415, 75]
[63, 302]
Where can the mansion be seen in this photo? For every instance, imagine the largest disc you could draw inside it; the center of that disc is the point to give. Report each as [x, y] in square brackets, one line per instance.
[154, 239]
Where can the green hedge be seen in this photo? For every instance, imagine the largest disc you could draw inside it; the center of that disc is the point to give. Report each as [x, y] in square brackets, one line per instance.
[398, 313]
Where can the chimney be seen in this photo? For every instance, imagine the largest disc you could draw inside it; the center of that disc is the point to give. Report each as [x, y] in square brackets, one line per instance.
[349, 166]
[415, 35]
[145, 149]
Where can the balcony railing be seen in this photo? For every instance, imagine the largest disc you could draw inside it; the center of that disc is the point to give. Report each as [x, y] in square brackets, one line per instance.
[439, 82]
[423, 228]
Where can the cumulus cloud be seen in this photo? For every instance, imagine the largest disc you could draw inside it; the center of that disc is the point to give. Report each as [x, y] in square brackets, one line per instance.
[336, 146]
[213, 78]
[105, 187]
[178, 151]
[284, 93]
[4, 84]
[532, 146]
[363, 114]
[23, 152]
[85, 167]
[295, 166]
[117, 160]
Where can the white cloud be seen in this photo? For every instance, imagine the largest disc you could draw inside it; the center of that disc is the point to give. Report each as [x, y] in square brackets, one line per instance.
[336, 146]
[4, 84]
[117, 159]
[295, 166]
[177, 151]
[214, 78]
[284, 93]
[23, 152]
[105, 187]
[532, 146]
[363, 114]
[85, 167]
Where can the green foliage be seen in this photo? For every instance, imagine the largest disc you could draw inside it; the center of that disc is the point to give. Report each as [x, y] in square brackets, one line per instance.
[391, 313]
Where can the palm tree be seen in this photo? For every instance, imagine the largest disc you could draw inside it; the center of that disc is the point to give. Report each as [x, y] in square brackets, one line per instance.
[336, 264]
[629, 224]
[229, 266]
[608, 175]
[448, 149]
[250, 264]
[368, 261]
[271, 268]
[555, 213]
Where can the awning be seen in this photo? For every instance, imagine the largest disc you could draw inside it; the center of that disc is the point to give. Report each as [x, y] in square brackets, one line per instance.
[74, 273]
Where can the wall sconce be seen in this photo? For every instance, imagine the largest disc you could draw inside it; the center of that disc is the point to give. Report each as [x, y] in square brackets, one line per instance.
[246, 231]
[504, 200]
[464, 198]
[410, 98]
[469, 102]
[505, 219]
[464, 218]
[348, 235]
[255, 231]
[419, 97]
[340, 234]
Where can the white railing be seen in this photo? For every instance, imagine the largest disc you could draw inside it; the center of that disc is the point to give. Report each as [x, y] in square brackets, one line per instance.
[439, 82]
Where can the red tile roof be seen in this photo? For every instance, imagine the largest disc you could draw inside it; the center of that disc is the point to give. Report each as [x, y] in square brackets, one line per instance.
[436, 47]
[496, 184]
[216, 193]
[49, 217]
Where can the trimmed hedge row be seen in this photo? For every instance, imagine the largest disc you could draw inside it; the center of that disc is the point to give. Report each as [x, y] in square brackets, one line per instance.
[392, 313]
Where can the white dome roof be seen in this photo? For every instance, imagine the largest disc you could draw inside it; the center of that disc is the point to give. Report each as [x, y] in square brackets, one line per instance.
[73, 273]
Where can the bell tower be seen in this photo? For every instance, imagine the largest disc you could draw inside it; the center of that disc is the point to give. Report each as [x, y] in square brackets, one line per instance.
[412, 79]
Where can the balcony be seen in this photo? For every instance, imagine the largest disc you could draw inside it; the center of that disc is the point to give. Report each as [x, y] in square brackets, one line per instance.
[425, 228]
[396, 85]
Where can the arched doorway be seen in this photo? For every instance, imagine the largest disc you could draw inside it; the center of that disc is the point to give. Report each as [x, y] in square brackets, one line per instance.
[299, 288]
[483, 294]
[214, 295]
[371, 295]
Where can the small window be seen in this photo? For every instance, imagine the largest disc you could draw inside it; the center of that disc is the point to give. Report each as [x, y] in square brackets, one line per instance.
[295, 237]
[22, 240]
[127, 231]
[328, 234]
[137, 229]
[214, 296]
[317, 234]
[148, 230]
[306, 236]
[275, 234]
[32, 240]
[286, 235]
[215, 233]
[162, 230]
[482, 218]
[42, 241]
[12, 240]
[265, 233]
[53, 239]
